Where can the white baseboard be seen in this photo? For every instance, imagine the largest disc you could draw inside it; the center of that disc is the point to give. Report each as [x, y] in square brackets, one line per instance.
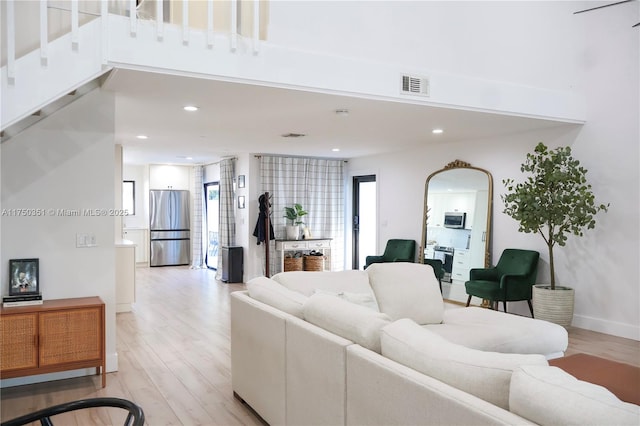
[619, 329]
[112, 362]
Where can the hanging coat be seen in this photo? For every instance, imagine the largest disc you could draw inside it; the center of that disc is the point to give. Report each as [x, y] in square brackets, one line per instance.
[260, 231]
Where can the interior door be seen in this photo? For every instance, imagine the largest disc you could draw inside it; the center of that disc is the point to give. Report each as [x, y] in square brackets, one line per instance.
[212, 192]
[364, 219]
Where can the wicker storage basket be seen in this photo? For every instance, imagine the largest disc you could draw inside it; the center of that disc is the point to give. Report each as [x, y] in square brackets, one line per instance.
[314, 263]
[292, 264]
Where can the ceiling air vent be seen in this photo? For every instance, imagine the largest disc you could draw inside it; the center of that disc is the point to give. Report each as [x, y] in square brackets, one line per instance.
[412, 85]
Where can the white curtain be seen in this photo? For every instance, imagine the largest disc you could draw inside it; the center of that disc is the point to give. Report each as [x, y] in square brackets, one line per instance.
[197, 228]
[316, 184]
[227, 236]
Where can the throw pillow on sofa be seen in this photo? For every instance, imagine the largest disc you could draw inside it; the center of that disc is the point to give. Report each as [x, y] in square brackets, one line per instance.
[486, 375]
[551, 396]
[407, 290]
[273, 294]
[357, 323]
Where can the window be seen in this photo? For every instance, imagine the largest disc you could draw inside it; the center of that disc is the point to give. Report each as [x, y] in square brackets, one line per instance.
[129, 197]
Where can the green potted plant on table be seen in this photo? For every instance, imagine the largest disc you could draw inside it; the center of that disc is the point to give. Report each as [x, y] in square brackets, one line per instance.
[554, 201]
[294, 214]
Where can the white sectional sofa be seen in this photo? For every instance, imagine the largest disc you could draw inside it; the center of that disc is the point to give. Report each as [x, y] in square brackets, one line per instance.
[377, 347]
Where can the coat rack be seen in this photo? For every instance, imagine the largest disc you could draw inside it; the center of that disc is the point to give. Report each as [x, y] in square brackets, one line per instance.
[263, 230]
[268, 234]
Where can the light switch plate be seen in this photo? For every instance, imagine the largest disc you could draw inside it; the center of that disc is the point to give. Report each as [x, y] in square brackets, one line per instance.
[81, 240]
[85, 240]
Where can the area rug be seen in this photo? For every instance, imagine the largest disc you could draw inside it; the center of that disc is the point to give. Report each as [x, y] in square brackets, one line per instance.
[623, 380]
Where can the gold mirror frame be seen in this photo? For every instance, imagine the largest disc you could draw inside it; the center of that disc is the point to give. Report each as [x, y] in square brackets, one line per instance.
[455, 165]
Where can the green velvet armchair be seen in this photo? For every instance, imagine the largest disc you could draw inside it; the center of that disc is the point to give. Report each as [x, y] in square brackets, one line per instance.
[510, 280]
[438, 269]
[396, 251]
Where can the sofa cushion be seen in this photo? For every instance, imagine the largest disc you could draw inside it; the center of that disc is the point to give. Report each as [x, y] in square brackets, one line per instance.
[367, 300]
[551, 396]
[407, 290]
[306, 282]
[486, 375]
[354, 322]
[495, 331]
[273, 294]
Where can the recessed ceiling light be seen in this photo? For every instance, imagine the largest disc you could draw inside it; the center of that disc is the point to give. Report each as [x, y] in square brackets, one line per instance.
[142, 137]
[189, 158]
[191, 108]
[336, 150]
[437, 131]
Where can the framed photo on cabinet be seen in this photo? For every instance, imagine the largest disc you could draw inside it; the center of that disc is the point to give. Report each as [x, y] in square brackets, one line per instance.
[24, 277]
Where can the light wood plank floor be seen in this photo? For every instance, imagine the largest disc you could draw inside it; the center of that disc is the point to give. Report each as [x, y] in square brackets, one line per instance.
[173, 357]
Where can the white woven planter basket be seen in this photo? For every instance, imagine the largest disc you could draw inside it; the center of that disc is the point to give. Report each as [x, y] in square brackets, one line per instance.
[555, 306]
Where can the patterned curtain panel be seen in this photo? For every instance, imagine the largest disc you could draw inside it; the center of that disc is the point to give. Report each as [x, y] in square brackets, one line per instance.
[227, 235]
[197, 228]
[316, 184]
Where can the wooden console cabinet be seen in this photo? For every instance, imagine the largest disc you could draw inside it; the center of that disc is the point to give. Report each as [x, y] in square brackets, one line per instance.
[59, 335]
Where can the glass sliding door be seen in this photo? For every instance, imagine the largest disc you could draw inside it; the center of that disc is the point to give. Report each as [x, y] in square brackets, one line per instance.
[212, 192]
[364, 219]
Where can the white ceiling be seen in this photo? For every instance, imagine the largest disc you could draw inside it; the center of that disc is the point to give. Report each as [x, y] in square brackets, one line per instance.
[236, 118]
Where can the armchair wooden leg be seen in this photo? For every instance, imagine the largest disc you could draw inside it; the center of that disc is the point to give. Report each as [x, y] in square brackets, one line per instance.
[530, 307]
[468, 300]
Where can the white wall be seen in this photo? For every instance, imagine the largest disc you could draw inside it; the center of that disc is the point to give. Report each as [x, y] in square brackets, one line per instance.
[243, 217]
[452, 37]
[255, 255]
[602, 266]
[65, 161]
[347, 54]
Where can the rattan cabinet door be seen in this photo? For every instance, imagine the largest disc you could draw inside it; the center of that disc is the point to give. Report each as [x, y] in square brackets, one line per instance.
[19, 341]
[70, 336]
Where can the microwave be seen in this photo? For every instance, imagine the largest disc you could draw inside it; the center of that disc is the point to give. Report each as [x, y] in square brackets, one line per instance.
[454, 220]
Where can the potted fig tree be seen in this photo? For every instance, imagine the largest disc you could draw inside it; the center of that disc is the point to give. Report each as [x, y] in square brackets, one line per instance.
[294, 215]
[555, 201]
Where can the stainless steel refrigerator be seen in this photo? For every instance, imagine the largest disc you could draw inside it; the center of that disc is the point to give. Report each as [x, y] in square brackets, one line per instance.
[169, 227]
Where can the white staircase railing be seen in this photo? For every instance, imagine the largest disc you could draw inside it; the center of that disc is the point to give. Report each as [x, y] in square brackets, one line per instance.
[72, 44]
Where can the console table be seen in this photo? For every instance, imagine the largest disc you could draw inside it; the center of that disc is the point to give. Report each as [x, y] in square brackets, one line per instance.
[317, 244]
[59, 335]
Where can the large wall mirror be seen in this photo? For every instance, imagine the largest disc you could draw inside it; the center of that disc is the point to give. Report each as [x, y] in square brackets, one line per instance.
[457, 223]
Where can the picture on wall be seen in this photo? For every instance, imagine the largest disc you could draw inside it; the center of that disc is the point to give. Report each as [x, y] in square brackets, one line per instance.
[23, 277]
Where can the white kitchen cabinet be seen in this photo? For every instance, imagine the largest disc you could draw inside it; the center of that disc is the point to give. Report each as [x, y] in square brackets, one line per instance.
[125, 275]
[440, 203]
[168, 177]
[436, 203]
[429, 252]
[478, 240]
[139, 237]
[461, 265]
